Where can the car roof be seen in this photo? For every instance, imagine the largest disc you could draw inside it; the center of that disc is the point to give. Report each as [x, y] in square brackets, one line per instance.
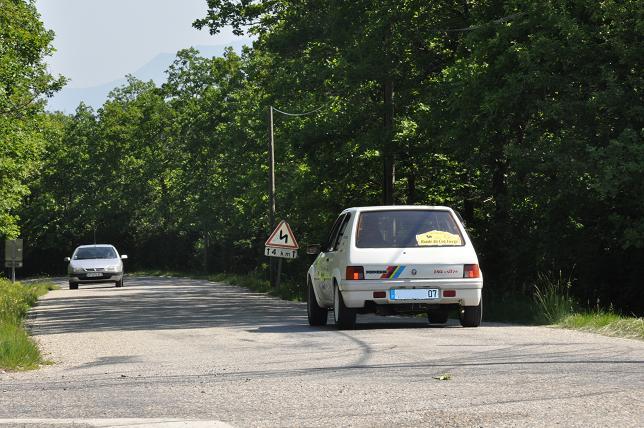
[96, 245]
[397, 208]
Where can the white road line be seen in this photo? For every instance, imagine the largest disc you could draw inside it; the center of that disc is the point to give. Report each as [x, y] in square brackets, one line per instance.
[132, 422]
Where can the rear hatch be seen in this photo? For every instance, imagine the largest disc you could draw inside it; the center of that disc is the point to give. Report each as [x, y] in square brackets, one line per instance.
[411, 244]
[413, 263]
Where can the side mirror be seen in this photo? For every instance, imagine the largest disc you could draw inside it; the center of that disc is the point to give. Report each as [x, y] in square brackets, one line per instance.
[67, 259]
[313, 249]
[124, 257]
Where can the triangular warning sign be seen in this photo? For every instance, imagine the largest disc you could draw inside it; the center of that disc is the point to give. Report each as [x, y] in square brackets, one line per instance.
[282, 237]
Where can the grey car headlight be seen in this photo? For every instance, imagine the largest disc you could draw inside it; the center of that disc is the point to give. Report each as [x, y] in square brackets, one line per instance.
[77, 269]
[112, 269]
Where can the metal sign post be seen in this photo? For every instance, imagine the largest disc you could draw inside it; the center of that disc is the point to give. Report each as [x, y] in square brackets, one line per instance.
[13, 256]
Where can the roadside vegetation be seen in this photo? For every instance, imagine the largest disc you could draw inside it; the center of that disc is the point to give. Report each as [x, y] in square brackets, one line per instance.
[554, 305]
[606, 323]
[17, 350]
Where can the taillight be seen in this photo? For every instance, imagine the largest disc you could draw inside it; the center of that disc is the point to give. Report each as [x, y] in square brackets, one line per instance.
[471, 271]
[355, 272]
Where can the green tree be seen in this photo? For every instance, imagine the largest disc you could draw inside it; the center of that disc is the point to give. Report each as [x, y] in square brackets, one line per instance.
[547, 107]
[24, 83]
[372, 54]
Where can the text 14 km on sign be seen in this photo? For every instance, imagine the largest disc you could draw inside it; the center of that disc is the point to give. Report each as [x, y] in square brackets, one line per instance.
[280, 252]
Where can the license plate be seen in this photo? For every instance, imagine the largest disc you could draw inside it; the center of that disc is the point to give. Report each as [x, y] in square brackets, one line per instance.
[94, 274]
[414, 294]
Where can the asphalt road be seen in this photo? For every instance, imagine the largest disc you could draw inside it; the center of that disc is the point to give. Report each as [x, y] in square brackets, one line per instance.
[179, 352]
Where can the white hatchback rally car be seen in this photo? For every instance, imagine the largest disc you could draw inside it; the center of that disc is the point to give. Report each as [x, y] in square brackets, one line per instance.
[395, 260]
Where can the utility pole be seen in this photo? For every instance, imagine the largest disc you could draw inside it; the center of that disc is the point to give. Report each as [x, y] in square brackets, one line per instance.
[274, 277]
[275, 271]
[271, 168]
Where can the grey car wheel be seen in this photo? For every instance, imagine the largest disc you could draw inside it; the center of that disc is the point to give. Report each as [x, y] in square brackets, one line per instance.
[345, 318]
[471, 315]
[317, 315]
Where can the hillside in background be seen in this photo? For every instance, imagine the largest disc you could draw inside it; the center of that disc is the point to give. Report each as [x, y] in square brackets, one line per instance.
[69, 97]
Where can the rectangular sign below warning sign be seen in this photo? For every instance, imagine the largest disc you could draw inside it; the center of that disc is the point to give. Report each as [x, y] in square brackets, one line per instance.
[280, 252]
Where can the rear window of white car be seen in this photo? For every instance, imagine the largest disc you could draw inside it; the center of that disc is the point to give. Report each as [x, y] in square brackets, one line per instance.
[95, 253]
[407, 229]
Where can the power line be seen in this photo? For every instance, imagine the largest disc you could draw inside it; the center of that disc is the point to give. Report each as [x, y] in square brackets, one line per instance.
[299, 114]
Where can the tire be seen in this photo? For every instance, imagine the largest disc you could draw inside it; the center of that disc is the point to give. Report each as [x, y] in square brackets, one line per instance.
[438, 314]
[119, 283]
[471, 315]
[317, 315]
[73, 285]
[345, 318]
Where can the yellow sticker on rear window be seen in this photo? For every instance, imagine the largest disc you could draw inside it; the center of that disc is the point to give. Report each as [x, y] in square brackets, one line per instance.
[437, 237]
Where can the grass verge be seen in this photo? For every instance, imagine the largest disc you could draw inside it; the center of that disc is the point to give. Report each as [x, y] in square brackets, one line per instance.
[17, 350]
[605, 323]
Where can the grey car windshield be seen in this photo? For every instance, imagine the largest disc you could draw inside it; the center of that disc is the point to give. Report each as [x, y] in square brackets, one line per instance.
[95, 253]
[407, 228]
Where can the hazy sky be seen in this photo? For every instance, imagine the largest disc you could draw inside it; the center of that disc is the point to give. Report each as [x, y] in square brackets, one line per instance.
[98, 41]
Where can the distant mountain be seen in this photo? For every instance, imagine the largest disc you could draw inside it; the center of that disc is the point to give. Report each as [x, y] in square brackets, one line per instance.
[68, 98]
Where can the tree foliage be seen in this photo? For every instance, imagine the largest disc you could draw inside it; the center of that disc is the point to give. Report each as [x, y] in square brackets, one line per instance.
[24, 82]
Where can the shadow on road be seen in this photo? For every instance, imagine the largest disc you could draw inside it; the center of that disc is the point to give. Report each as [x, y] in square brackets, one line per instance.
[153, 303]
[161, 303]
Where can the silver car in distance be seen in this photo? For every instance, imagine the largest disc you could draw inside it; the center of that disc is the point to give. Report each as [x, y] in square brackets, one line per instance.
[95, 263]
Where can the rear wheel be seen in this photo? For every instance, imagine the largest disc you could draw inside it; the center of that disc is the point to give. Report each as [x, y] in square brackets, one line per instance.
[73, 285]
[438, 314]
[317, 314]
[471, 315]
[345, 318]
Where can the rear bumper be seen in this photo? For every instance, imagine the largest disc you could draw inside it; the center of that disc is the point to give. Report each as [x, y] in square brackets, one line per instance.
[105, 277]
[467, 291]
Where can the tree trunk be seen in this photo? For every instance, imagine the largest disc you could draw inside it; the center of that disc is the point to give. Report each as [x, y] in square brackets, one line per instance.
[206, 243]
[411, 187]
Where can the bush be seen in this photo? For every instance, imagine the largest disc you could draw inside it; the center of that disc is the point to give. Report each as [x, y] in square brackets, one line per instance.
[552, 298]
